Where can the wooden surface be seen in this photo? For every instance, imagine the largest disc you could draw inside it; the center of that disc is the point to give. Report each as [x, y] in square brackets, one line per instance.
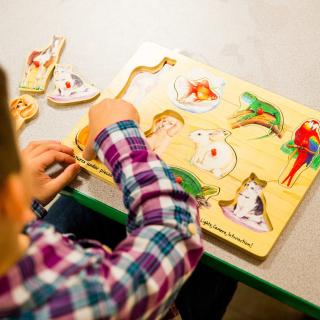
[261, 156]
[253, 40]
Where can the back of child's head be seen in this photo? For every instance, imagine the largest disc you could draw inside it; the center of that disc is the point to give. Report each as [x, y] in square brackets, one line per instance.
[9, 158]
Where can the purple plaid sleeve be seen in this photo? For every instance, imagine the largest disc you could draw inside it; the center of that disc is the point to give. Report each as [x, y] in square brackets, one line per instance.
[59, 277]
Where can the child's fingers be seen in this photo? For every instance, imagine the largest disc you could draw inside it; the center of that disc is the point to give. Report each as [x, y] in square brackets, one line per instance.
[53, 156]
[64, 178]
[34, 144]
[88, 152]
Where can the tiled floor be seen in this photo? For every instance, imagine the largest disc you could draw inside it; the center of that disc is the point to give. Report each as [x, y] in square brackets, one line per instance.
[250, 304]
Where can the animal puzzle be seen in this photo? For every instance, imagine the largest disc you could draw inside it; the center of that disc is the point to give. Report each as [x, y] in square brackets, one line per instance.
[247, 155]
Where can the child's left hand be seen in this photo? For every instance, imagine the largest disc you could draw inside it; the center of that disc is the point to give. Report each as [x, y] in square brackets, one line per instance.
[38, 156]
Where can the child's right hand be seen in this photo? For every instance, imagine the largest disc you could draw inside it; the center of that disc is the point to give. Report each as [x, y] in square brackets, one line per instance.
[103, 115]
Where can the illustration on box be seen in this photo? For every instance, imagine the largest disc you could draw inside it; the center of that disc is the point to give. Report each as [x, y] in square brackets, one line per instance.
[254, 111]
[23, 109]
[165, 126]
[70, 87]
[192, 185]
[198, 91]
[212, 152]
[303, 152]
[248, 208]
[39, 66]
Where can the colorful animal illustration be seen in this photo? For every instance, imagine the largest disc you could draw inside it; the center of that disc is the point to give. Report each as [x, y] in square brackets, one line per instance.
[165, 126]
[23, 109]
[197, 92]
[259, 112]
[248, 208]
[70, 88]
[191, 184]
[39, 66]
[213, 153]
[303, 152]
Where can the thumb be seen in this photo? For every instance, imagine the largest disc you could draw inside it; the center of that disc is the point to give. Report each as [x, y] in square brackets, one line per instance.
[64, 178]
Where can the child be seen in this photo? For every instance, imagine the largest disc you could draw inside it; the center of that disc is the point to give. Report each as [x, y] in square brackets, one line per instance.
[45, 274]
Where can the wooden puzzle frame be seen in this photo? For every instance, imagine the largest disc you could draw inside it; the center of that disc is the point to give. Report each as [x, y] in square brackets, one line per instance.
[263, 157]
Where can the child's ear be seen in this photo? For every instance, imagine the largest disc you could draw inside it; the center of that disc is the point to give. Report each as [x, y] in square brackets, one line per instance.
[13, 203]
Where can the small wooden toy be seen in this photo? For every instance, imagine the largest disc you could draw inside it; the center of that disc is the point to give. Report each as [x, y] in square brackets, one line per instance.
[255, 167]
[23, 109]
[198, 91]
[165, 126]
[70, 88]
[255, 111]
[248, 208]
[39, 66]
[212, 152]
[303, 152]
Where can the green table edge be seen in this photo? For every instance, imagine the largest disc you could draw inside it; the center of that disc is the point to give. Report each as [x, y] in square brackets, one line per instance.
[210, 260]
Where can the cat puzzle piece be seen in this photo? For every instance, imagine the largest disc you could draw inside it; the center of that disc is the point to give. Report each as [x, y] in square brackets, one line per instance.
[39, 66]
[197, 92]
[70, 87]
[303, 151]
[248, 208]
[254, 111]
[23, 109]
[191, 184]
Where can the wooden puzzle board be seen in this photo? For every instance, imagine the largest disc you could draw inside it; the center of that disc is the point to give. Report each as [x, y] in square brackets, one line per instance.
[261, 156]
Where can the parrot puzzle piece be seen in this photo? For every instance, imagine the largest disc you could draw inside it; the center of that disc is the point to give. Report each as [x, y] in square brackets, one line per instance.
[303, 152]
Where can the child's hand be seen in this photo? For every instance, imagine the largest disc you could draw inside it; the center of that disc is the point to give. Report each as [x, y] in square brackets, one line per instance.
[38, 156]
[103, 115]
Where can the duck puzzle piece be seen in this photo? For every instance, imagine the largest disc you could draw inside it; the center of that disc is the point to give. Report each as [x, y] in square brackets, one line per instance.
[199, 91]
[23, 109]
[40, 65]
[248, 208]
[70, 87]
[303, 152]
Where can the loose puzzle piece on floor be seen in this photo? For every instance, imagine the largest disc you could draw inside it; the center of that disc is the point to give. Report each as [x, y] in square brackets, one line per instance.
[246, 154]
[70, 88]
[39, 66]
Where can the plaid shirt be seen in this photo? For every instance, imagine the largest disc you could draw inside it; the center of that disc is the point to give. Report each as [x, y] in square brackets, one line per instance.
[59, 277]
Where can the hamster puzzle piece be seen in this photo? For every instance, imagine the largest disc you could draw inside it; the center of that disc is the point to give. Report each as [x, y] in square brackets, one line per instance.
[258, 112]
[70, 87]
[248, 208]
[213, 153]
[23, 109]
[233, 175]
[39, 66]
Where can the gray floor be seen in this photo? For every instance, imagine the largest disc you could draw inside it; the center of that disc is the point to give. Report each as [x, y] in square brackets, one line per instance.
[249, 304]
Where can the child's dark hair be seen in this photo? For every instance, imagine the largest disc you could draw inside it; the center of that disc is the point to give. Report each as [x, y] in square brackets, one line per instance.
[9, 158]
